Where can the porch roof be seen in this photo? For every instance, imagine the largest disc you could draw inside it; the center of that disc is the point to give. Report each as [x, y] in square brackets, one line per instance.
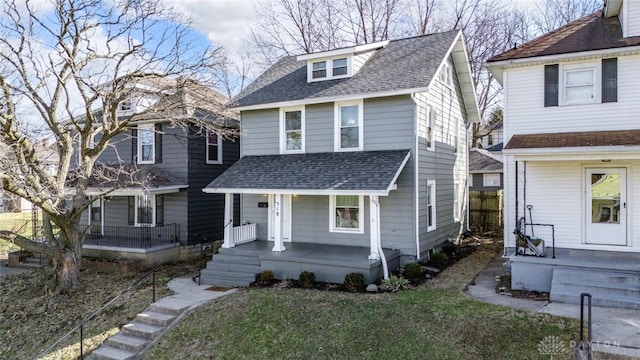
[335, 173]
[614, 141]
[130, 179]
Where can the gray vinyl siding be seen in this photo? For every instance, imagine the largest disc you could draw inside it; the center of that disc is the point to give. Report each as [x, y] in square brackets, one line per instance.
[259, 131]
[251, 213]
[319, 125]
[478, 183]
[442, 165]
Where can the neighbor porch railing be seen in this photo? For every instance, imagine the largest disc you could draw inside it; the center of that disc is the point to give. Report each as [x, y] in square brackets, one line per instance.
[140, 237]
[243, 234]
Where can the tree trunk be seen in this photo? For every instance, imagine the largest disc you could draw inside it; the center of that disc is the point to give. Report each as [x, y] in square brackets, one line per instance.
[67, 271]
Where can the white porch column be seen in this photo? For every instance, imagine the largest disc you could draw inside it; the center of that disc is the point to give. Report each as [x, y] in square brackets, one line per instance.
[278, 244]
[374, 227]
[228, 221]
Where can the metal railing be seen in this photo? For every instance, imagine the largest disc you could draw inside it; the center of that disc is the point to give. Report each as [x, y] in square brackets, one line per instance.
[141, 237]
[81, 325]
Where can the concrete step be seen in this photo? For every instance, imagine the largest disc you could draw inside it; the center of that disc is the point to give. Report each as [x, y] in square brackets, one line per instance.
[111, 353]
[155, 318]
[237, 276]
[127, 342]
[239, 251]
[217, 280]
[236, 259]
[607, 288]
[170, 305]
[229, 267]
[142, 330]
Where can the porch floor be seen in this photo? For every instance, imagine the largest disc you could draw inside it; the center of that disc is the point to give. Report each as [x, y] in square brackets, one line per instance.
[599, 259]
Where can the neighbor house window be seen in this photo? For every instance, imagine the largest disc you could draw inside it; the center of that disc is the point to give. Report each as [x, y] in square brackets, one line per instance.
[125, 106]
[214, 148]
[489, 140]
[456, 201]
[431, 121]
[581, 83]
[431, 205]
[346, 213]
[339, 67]
[292, 130]
[146, 144]
[145, 205]
[349, 131]
[490, 180]
[319, 70]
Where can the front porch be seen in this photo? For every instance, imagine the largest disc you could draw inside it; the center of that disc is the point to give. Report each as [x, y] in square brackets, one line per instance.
[611, 277]
[137, 237]
[239, 265]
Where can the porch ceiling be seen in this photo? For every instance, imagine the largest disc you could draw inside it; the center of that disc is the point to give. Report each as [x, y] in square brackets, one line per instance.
[336, 173]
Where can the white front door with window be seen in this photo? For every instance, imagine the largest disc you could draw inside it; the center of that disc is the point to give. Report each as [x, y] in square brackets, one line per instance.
[285, 209]
[606, 206]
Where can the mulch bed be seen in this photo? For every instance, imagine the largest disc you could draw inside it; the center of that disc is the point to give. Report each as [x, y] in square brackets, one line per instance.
[503, 287]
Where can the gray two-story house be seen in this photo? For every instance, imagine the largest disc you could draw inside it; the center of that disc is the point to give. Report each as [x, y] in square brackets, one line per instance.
[148, 183]
[352, 160]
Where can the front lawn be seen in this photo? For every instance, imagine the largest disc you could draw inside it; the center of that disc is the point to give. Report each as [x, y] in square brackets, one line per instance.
[435, 321]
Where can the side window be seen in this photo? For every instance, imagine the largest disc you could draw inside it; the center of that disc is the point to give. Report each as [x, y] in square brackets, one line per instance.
[146, 144]
[348, 122]
[431, 205]
[292, 130]
[214, 148]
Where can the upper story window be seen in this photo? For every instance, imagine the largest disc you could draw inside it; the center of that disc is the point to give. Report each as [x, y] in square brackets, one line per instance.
[214, 148]
[490, 140]
[431, 122]
[446, 74]
[348, 126]
[146, 144]
[292, 130]
[329, 69]
[582, 83]
[125, 106]
[431, 205]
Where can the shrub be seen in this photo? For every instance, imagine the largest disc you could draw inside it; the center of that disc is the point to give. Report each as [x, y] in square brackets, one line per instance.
[306, 279]
[449, 249]
[439, 260]
[355, 282]
[266, 276]
[394, 283]
[413, 271]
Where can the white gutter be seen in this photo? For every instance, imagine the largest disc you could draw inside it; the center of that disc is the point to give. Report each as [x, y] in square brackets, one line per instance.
[416, 177]
[298, 191]
[577, 150]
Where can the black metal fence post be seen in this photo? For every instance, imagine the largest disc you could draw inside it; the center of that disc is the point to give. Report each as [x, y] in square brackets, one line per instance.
[154, 285]
[81, 340]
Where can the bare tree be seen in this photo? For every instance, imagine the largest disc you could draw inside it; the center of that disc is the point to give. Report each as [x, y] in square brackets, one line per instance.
[372, 20]
[552, 14]
[66, 68]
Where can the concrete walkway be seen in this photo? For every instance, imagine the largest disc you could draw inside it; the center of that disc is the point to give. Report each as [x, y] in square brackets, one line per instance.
[615, 331]
[5, 270]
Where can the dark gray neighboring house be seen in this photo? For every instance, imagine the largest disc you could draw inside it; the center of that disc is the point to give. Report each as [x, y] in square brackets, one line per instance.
[353, 160]
[164, 208]
[485, 170]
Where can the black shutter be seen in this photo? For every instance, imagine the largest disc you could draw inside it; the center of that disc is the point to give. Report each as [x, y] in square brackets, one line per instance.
[131, 208]
[610, 80]
[551, 85]
[158, 144]
[134, 144]
[159, 209]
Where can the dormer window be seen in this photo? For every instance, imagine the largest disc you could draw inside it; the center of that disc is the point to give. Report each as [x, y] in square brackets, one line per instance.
[125, 106]
[319, 70]
[340, 67]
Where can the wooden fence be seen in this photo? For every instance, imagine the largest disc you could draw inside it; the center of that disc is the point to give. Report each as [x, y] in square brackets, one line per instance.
[485, 210]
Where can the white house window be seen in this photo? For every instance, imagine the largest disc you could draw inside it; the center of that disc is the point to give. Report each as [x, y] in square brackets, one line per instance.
[146, 144]
[319, 70]
[456, 201]
[292, 130]
[446, 75]
[125, 106]
[214, 148]
[339, 67]
[349, 131]
[431, 205]
[579, 84]
[491, 180]
[431, 121]
[490, 140]
[145, 205]
[346, 213]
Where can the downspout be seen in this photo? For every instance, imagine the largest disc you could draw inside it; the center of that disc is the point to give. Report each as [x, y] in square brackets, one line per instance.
[416, 178]
[383, 258]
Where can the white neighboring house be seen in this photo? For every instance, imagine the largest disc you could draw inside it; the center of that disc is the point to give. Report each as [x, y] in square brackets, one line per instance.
[572, 156]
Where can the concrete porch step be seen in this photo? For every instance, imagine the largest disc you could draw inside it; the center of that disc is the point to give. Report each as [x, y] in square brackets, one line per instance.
[234, 258]
[233, 267]
[127, 342]
[221, 281]
[607, 288]
[111, 353]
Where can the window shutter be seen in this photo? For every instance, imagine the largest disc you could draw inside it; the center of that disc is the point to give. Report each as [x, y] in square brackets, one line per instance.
[610, 80]
[159, 209]
[551, 85]
[131, 208]
[134, 144]
[158, 144]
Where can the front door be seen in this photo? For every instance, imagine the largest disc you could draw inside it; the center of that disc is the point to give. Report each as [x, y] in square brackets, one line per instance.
[96, 217]
[606, 206]
[285, 209]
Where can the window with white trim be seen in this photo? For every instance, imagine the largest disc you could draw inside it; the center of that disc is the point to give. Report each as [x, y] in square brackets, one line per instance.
[292, 130]
[328, 69]
[339, 67]
[431, 121]
[319, 70]
[346, 213]
[214, 148]
[348, 126]
[431, 205]
[456, 201]
[579, 84]
[446, 74]
[490, 180]
[145, 206]
[146, 144]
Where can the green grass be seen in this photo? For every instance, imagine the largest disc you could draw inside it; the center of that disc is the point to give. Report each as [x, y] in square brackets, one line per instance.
[434, 321]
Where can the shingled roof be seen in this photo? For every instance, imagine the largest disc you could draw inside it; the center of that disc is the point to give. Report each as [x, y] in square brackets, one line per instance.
[481, 160]
[358, 172]
[592, 32]
[575, 139]
[408, 63]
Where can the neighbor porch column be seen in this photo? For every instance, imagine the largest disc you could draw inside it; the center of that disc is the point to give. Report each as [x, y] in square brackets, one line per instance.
[374, 227]
[278, 244]
[228, 221]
